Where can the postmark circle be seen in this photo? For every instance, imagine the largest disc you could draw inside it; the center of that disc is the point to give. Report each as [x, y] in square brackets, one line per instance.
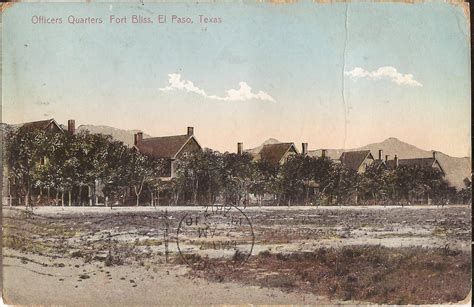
[217, 231]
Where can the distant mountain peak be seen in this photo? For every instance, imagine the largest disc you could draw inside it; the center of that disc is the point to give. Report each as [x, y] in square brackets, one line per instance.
[257, 149]
[125, 136]
[271, 141]
[456, 169]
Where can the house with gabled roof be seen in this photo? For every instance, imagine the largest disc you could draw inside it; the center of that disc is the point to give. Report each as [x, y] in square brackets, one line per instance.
[420, 162]
[277, 154]
[357, 160]
[169, 148]
[47, 125]
[381, 162]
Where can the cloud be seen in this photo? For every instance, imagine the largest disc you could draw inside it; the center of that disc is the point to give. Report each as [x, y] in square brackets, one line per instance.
[385, 72]
[243, 93]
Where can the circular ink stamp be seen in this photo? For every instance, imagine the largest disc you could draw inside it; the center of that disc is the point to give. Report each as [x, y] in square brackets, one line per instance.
[217, 231]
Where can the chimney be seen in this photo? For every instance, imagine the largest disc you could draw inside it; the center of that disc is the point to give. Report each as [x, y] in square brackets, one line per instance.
[240, 148]
[190, 131]
[138, 138]
[71, 126]
[323, 153]
[434, 154]
[304, 149]
[396, 160]
[386, 158]
[380, 154]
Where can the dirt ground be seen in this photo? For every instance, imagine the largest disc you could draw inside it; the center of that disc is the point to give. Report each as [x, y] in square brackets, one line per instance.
[159, 255]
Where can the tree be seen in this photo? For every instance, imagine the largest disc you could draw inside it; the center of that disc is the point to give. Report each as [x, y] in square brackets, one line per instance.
[342, 183]
[116, 174]
[268, 179]
[439, 189]
[320, 171]
[191, 170]
[174, 186]
[62, 166]
[210, 183]
[93, 156]
[415, 182]
[375, 182]
[466, 193]
[295, 176]
[257, 181]
[24, 154]
[236, 175]
[142, 170]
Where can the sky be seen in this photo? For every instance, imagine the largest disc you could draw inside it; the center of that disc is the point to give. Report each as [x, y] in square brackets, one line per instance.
[332, 75]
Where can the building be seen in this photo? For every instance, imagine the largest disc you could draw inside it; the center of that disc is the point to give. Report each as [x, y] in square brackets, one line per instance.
[357, 160]
[169, 148]
[420, 162]
[381, 162]
[48, 125]
[277, 154]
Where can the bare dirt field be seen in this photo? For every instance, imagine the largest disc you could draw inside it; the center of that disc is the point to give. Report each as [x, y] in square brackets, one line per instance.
[218, 255]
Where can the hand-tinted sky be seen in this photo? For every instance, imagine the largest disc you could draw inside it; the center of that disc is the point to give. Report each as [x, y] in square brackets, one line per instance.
[332, 75]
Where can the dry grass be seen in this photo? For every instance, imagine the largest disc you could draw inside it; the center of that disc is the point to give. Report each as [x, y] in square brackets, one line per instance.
[362, 273]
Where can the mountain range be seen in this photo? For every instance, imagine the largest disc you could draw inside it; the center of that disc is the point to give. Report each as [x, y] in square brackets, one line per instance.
[456, 169]
[125, 136]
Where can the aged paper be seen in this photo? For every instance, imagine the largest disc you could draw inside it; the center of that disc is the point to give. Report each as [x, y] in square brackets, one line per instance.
[236, 152]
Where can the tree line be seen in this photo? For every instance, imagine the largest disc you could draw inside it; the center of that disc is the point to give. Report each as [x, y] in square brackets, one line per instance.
[88, 169]
[210, 176]
[75, 169]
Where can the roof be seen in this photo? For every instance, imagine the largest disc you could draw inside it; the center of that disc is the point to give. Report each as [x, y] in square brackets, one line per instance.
[164, 147]
[333, 154]
[421, 162]
[379, 163]
[40, 124]
[424, 162]
[273, 153]
[390, 164]
[354, 159]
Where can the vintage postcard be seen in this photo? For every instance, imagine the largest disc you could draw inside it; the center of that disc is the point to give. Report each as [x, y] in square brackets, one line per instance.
[236, 153]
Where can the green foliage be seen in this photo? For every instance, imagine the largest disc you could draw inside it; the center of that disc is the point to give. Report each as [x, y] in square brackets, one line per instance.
[342, 184]
[25, 147]
[62, 163]
[236, 177]
[197, 174]
[416, 182]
